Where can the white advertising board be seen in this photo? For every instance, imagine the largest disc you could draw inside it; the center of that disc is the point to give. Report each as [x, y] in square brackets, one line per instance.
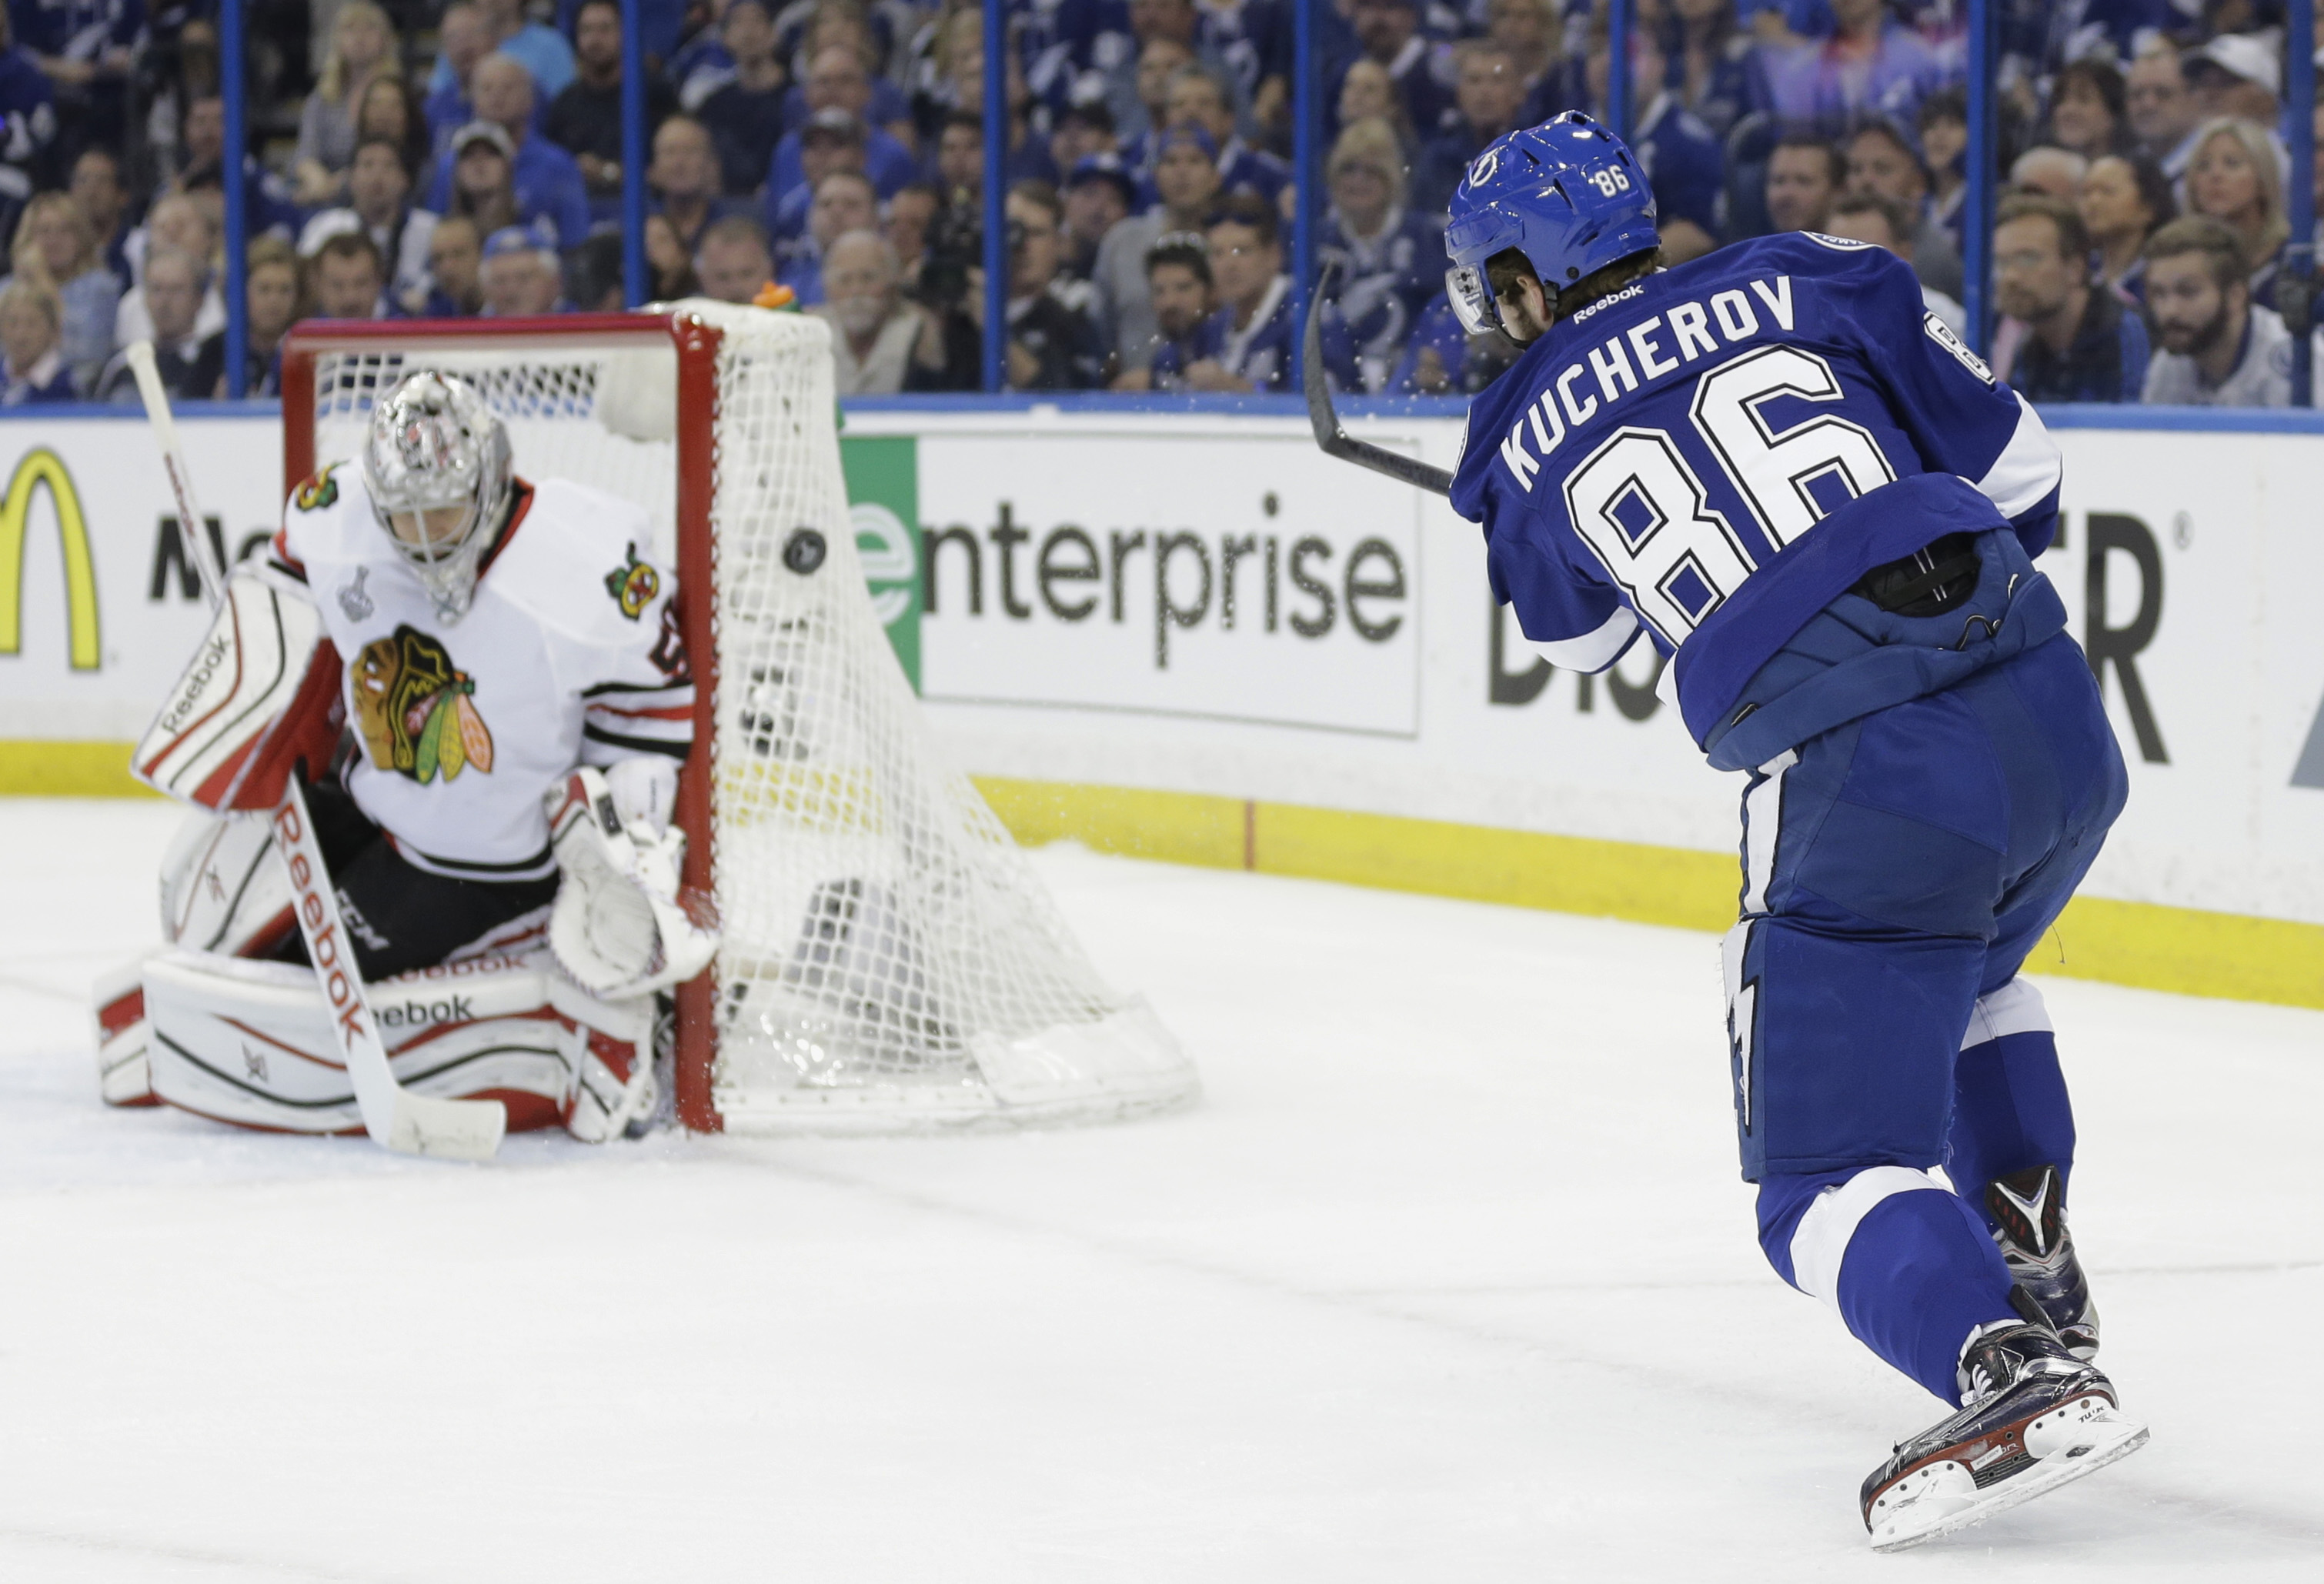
[1079, 571]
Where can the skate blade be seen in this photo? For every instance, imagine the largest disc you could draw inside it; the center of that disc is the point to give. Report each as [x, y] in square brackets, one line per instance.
[2106, 1440]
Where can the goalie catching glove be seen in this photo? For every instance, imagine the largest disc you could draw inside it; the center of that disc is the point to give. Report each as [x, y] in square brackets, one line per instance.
[618, 927]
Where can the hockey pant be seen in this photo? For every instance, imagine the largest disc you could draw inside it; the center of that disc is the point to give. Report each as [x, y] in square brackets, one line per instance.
[1896, 872]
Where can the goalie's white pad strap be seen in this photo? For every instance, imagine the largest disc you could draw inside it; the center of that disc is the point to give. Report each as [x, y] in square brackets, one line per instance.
[250, 1043]
[262, 692]
[618, 926]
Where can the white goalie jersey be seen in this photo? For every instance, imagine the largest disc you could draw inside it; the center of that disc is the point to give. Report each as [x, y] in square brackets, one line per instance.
[570, 655]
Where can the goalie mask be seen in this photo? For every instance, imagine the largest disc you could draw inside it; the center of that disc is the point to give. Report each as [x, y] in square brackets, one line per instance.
[436, 466]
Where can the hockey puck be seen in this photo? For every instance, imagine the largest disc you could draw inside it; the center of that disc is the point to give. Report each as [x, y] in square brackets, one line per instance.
[803, 552]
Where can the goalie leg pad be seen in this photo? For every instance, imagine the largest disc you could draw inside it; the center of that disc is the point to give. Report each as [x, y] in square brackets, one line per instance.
[250, 1043]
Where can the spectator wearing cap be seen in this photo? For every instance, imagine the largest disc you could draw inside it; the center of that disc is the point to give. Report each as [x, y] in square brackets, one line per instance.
[379, 195]
[2162, 108]
[28, 126]
[834, 140]
[873, 328]
[543, 176]
[1388, 33]
[1886, 223]
[177, 224]
[734, 262]
[2216, 346]
[2121, 201]
[682, 178]
[1185, 330]
[1389, 259]
[744, 113]
[1186, 180]
[1487, 95]
[176, 287]
[1052, 345]
[520, 275]
[32, 368]
[2235, 180]
[1880, 161]
[1872, 64]
[844, 202]
[1099, 196]
[1257, 343]
[1201, 96]
[584, 118]
[362, 49]
[540, 49]
[2069, 338]
[2235, 75]
[483, 179]
[456, 261]
[889, 163]
[345, 281]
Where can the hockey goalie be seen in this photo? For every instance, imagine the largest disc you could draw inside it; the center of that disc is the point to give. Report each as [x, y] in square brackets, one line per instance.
[483, 680]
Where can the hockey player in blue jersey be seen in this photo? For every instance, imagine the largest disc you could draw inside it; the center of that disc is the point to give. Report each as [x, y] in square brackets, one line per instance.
[1777, 467]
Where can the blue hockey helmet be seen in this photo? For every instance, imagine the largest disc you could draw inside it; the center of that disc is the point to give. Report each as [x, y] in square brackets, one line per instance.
[1567, 194]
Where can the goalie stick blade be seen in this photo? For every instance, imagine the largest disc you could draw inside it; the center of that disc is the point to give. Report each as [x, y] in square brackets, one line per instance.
[1335, 440]
[447, 1129]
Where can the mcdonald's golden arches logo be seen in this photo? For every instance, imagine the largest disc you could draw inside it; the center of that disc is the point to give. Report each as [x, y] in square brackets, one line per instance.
[41, 467]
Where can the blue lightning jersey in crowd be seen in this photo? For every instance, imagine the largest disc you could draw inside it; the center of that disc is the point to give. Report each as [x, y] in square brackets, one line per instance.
[1716, 452]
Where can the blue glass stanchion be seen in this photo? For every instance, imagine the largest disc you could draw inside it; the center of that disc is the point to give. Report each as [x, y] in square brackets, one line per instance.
[996, 198]
[233, 88]
[1976, 220]
[636, 284]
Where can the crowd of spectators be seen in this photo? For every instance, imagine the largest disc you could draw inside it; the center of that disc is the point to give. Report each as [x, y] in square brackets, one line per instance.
[412, 157]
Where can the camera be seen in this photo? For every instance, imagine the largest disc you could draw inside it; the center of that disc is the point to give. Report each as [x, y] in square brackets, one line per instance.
[955, 245]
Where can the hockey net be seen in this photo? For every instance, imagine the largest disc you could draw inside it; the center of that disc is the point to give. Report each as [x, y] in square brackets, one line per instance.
[889, 960]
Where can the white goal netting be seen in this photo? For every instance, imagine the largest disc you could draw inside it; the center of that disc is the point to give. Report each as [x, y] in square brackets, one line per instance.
[889, 960]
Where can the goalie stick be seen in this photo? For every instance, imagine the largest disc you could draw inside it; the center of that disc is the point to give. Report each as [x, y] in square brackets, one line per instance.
[1335, 440]
[396, 1118]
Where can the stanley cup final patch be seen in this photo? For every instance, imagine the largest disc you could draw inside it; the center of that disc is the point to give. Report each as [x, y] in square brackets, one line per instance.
[417, 713]
[632, 583]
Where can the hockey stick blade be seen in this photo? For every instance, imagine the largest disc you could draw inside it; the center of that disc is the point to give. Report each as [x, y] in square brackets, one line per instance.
[395, 1118]
[1335, 440]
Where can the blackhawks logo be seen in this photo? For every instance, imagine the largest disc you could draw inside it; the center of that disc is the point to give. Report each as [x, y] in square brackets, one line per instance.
[415, 710]
[319, 491]
[632, 583]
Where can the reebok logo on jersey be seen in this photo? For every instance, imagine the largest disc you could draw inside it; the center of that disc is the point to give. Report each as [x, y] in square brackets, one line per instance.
[415, 710]
[632, 583]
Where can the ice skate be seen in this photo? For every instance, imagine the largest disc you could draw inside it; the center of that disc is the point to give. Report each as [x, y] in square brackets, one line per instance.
[2037, 1417]
[2030, 1207]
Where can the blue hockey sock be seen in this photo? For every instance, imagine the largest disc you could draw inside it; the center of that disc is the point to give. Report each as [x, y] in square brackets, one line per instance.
[2010, 1113]
[1909, 1266]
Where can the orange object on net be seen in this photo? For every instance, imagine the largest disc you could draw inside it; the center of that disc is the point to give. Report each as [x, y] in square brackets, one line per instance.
[775, 295]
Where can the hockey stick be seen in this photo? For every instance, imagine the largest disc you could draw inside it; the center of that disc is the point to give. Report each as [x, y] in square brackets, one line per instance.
[396, 1118]
[1335, 440]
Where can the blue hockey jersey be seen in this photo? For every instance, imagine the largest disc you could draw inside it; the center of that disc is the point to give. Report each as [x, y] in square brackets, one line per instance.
[1716, 452]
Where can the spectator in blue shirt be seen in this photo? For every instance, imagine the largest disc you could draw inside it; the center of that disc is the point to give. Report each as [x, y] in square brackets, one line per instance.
[1201, 96]
[540, 49]
[889, 163]
[839, 77]
[546, 180]
[1443, 360]
[28, 125]
[463, 38]
[103, 199]
[844, 202]
[1871, 65]
[1486, 96]
[32, 369]
[1388, 32]
[520, 275]
[1186, 330]
[744, 113]
[456, 261]
[481, 183]
[1258, 344]
[1255, 39]
[1389, 261]
[734, 263]
[834, 140]
[684, 181]
[85, 49]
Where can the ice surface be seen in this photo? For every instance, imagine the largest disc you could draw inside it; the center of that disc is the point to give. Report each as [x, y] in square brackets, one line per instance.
[1449, 1278]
